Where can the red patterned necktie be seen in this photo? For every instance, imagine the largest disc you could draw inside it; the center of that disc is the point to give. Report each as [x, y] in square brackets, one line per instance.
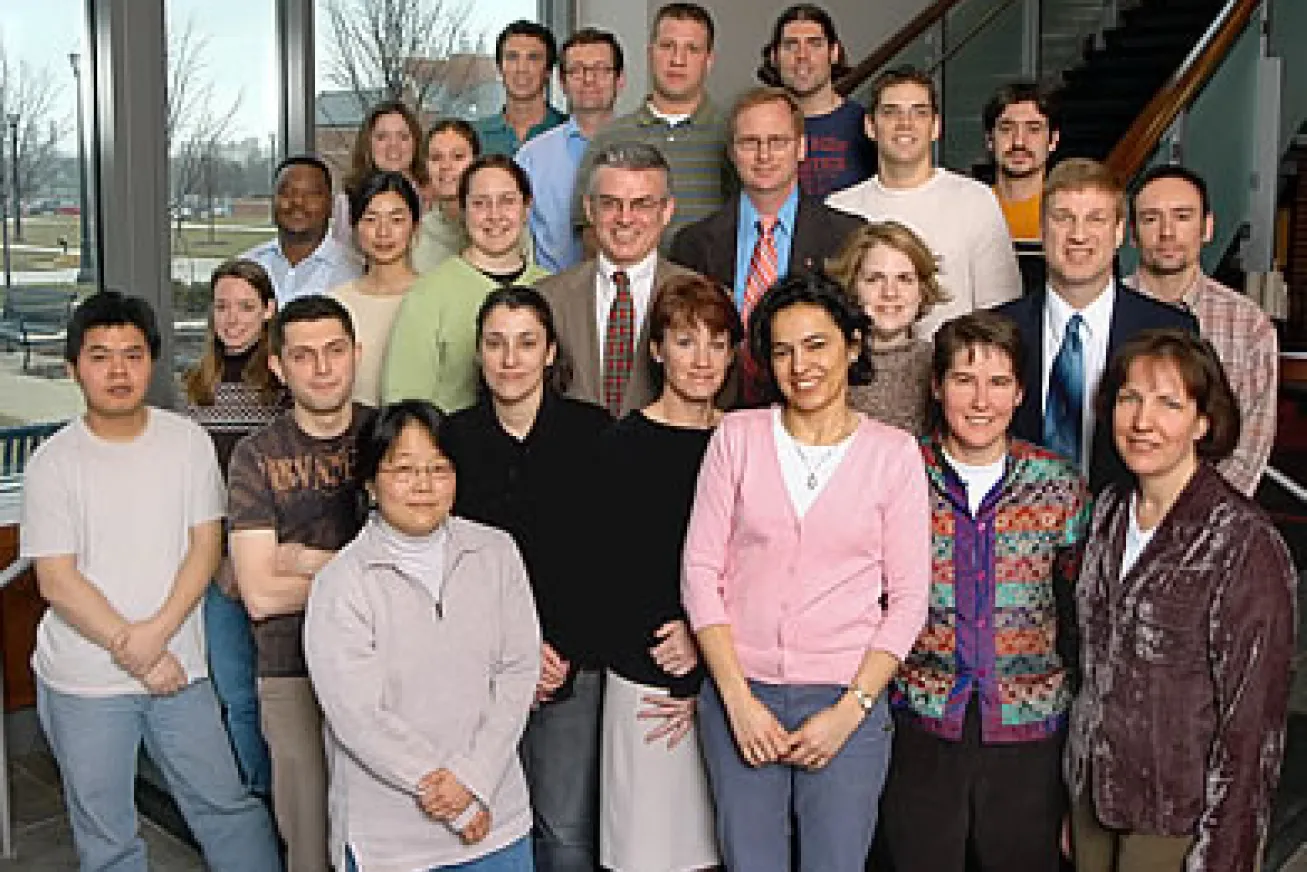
[619, 344]
[763, 270]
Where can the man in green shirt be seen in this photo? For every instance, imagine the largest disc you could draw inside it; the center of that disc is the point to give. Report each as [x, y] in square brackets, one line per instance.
[525, 54]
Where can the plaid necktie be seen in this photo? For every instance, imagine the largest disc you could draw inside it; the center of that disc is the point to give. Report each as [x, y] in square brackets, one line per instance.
[762, 275]
[619, 344]
[1066, 395]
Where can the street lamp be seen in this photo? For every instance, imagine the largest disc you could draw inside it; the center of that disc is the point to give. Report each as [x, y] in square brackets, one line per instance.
[4, 218]
[13, 166]
[86, 269]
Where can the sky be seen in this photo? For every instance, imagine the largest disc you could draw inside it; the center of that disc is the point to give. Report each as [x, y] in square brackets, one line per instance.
[239, 57]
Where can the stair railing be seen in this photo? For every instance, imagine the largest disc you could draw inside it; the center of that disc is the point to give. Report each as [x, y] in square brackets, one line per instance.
[1165, 112]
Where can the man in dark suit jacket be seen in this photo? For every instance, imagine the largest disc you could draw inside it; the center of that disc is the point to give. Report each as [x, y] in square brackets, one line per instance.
[766, 144]
[628, 203]
[1083, 224]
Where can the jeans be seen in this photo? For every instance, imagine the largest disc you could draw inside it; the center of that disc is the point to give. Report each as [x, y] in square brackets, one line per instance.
[96, 741]
[834, 807]
[560, 756]
[232, 667]
[514, 857]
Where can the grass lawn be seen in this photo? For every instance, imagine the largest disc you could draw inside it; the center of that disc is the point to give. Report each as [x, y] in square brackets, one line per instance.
[229, 239]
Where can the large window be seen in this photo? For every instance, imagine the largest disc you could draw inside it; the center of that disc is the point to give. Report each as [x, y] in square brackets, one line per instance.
[221, 122]
[436, 55]
[49, 253]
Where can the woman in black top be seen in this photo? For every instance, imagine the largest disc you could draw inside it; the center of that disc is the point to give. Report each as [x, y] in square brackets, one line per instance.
[525, 456]
[657, 811]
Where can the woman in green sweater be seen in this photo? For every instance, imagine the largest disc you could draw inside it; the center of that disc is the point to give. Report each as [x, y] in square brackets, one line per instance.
[432, 353]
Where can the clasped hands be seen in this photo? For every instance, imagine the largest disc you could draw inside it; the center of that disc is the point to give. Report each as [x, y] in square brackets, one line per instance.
[762, 740]
[140, 649]
[444, 798]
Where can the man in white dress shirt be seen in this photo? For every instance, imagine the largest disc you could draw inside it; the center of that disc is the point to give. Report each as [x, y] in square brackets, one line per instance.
[303, 259]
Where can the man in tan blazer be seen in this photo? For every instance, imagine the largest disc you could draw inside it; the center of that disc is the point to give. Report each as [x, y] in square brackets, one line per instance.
[629, 203]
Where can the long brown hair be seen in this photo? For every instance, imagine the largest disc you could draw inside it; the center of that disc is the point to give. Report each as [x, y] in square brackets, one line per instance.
[361, 163]
[201, 379]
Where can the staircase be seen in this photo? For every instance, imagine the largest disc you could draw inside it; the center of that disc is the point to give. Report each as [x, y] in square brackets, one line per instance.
[1107, 91]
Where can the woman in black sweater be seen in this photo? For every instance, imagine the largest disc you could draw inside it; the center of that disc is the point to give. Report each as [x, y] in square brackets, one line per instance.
[525, 457]
[657, 811]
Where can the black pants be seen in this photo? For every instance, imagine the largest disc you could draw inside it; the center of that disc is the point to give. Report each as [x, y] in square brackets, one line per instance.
[1001, 806]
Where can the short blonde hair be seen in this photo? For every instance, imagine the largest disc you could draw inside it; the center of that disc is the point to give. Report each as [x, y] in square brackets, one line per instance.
[1083, 174]
[845, 265]
[762, 96]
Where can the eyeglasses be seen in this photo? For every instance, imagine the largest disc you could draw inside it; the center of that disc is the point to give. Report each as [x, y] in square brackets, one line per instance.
[644, 207]
[581, 71]
[406, 475]
[754, 144]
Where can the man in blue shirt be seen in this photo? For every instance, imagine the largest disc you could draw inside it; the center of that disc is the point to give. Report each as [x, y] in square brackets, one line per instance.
[592, 71]
[525, 53]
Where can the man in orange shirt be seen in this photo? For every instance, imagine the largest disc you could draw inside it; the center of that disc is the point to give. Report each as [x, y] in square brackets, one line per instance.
[1021, 132]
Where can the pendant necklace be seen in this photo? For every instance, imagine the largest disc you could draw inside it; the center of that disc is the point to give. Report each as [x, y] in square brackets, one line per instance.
[812, 468]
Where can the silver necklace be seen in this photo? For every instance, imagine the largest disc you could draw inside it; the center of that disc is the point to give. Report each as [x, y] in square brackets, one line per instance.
[812, 468]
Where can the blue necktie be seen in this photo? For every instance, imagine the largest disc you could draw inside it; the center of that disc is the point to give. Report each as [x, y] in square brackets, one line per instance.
[1066, 395]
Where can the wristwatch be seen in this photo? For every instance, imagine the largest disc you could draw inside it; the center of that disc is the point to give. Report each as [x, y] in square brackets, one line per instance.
[865, 700]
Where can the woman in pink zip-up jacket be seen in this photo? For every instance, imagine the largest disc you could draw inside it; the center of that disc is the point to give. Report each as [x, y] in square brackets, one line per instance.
[806, 575]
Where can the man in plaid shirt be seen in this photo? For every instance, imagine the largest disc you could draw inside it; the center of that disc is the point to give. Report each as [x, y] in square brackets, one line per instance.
[1171, 218]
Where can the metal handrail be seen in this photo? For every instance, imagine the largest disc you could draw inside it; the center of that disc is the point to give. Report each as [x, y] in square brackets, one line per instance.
[1291, 487]
[983, 24]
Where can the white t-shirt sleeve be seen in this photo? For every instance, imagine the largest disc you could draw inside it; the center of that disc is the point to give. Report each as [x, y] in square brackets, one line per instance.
[48, 524]
[996, 278]
[208, 493]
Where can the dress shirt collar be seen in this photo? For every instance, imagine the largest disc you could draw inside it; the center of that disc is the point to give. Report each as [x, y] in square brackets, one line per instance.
[1189, 299]
[640, 274]
[328, 251]
[1096, 317]
[784, 218]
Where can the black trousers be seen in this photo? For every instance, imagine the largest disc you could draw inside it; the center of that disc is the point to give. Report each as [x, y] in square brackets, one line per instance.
[964, 805]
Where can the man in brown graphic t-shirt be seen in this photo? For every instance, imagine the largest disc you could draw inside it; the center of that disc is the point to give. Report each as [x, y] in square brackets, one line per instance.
[294, 501]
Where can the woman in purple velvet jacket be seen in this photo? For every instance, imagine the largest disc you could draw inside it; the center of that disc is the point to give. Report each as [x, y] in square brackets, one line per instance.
[1186, 609]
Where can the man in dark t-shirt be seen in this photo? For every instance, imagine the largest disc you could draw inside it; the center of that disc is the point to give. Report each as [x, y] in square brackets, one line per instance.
[805, 57]
[293, 501]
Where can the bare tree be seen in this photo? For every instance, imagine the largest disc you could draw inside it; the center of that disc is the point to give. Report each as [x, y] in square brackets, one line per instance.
[31, 93]
[195, 124]
[394, 49]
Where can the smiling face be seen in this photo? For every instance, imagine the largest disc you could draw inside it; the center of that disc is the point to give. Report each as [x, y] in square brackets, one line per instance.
[694, 360]
[448, 155]
[301, 201]
[239, 314]
[392, 143]
[1082, 231]
[978, 396]
[766, 149]
[810, 358]
[385, 229]
[1155, 422]
[889, 290]
[1022, 140]
[629, 210]
[317, 363]
[495, 211]
[803, 58]
[515, 353]
[113, 370]
[679, 60]
[524, 67]
[904, 124]
[414, 487]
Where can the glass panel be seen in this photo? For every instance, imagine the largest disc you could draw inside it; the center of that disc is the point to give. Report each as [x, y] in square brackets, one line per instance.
[985, 49]
[1066, 28]
[434, 54]
[221, 118]
[48, 254]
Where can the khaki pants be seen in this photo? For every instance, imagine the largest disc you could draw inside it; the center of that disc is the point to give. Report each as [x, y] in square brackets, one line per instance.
[1099, 849]
[292, 726]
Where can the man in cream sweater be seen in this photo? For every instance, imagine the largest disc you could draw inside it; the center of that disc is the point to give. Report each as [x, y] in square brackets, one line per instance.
[957, 217]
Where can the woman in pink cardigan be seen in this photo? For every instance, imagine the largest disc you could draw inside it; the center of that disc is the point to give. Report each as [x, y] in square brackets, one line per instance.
[806, 575]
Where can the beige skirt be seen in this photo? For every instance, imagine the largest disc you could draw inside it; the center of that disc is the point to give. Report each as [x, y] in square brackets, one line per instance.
[655, 810]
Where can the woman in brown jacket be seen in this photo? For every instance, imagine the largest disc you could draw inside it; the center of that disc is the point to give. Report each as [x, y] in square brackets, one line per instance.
[1186, 609]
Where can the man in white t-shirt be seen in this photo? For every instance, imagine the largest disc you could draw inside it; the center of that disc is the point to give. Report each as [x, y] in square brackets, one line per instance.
[958, 217]
[122, 513]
